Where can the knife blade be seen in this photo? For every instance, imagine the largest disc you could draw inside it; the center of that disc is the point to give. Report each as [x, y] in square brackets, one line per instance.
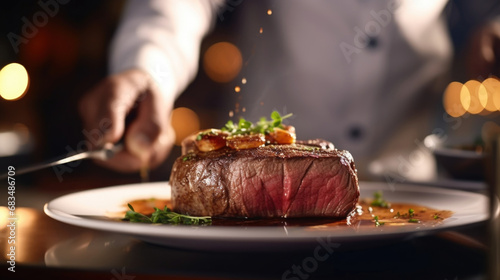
[104, 153]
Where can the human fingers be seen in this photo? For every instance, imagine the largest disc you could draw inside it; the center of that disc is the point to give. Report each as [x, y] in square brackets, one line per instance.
[104, 111]
[149, 136]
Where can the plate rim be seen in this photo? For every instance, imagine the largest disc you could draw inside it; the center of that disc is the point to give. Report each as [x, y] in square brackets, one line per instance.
[251, 234]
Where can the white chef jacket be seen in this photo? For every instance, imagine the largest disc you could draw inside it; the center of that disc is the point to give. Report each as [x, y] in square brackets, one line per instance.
[355, 72]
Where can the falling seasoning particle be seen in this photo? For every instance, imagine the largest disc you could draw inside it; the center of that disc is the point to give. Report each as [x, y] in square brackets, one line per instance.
[269, 12]
[261, 30]
[231, 114]
[244, 81]
[262, 103]
[237, 89]
[144, 173]
[243, 109]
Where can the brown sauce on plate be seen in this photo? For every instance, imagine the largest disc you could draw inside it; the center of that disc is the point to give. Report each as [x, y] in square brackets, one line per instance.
[365, 215]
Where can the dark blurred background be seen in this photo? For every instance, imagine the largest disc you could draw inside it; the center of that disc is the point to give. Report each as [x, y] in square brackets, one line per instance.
[65, 56]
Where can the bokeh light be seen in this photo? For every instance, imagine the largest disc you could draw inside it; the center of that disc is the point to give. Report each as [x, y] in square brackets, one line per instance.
[222, 62]
[185, 122]
[476, 97]
[14, 81]
[473, 97]
[465, 98]
[452, 99]
[492, 87]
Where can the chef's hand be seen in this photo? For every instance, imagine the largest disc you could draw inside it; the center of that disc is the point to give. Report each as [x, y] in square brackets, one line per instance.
[483, 56]
[148, 137]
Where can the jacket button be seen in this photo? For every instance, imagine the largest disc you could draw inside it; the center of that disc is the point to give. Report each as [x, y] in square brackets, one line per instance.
[372, 42]
[355, 133]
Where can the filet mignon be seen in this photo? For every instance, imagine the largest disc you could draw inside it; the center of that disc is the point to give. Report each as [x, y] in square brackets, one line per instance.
[306, 179]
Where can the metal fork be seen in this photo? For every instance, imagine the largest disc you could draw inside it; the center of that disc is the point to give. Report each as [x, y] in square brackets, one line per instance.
[106, 152]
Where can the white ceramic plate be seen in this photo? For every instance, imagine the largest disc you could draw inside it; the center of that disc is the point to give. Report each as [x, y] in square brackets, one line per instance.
[80, 208]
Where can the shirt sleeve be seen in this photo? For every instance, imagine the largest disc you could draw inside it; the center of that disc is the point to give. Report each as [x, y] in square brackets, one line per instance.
[162, 37]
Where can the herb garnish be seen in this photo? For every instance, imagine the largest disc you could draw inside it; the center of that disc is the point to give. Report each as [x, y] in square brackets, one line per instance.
[187, 157]
[165, 216]
[262, 126]
[377, 223]
[379, 201]
[411, 212]
[206, 132]
[410, 216]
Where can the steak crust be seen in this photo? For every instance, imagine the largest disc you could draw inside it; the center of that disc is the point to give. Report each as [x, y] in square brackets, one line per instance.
[305, 179]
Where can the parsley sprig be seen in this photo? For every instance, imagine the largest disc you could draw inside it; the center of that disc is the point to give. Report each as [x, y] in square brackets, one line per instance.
[165, 216]
[262, 126]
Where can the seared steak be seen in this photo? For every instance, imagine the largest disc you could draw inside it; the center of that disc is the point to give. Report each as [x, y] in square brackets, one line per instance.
[306, 179]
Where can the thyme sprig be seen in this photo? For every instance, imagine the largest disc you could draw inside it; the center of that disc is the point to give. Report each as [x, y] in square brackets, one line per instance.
[165, 216]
